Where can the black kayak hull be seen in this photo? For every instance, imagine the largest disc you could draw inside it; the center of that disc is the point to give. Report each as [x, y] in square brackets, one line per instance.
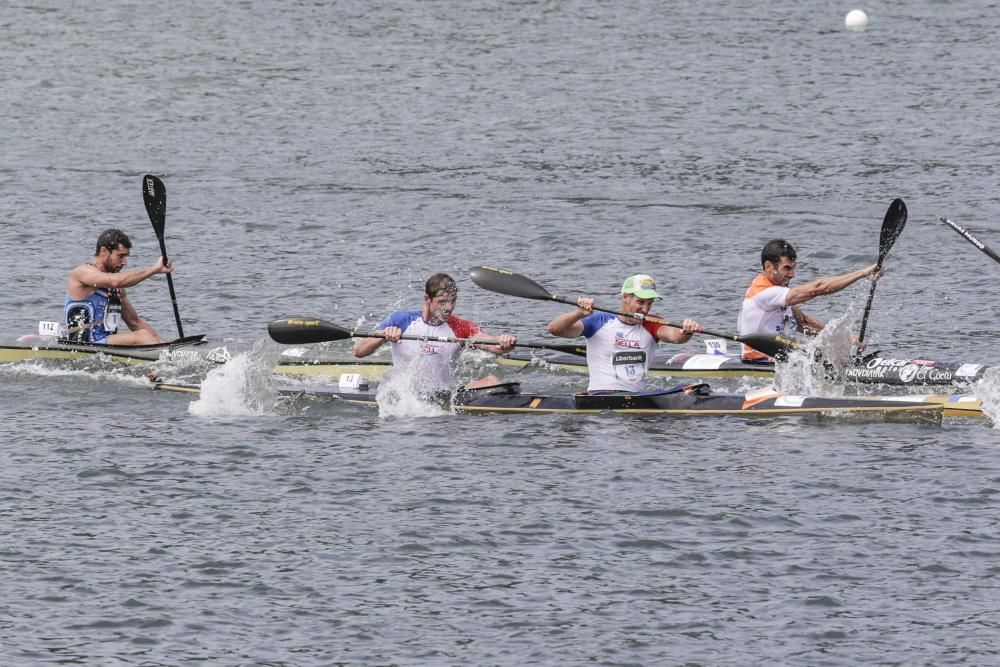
[692, 400]
[874, 370]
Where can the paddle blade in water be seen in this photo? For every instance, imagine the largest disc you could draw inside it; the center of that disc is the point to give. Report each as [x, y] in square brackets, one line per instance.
[506, 282]
[154, 195]
[303, 330]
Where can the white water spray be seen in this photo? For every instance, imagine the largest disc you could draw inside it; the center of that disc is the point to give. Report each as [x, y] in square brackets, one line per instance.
[987, 390]
[242, 387]
[802, 373]
[401, 394]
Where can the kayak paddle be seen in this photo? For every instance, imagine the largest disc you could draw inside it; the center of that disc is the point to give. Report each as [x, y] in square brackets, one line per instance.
[304, 330]
[154, 195]
[513, 284]
[967, 235]
[892, 227]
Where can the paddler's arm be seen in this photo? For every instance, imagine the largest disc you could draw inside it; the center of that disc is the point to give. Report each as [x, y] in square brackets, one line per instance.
[568, 325]
[828, 285]
[89, 276]
[675, 335]
[805, 323]
[505, 342]
[366, 346]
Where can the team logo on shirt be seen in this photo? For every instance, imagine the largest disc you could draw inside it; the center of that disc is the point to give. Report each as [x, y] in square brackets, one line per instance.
[622, 341]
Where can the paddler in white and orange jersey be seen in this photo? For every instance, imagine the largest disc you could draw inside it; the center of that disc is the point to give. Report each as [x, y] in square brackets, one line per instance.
[771, 306]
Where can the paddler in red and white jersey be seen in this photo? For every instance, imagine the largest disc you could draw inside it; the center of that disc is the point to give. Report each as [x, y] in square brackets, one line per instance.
[620, 349]
[435, 361]
[770, 306]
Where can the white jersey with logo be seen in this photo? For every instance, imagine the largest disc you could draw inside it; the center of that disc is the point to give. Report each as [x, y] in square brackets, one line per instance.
[618, 355]
[432, 362]
[764, 311]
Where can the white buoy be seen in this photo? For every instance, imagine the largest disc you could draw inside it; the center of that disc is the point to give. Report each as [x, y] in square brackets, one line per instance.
[856, 19]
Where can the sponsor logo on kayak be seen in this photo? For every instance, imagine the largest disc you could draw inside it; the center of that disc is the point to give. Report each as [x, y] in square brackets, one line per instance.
[900, 371]
[908, 372]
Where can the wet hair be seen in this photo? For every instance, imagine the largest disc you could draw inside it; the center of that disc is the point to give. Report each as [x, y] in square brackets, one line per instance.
[775, 249]
[440, 283]
[111, 239]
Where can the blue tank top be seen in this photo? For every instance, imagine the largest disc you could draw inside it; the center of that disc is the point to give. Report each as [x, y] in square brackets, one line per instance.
[103, 309]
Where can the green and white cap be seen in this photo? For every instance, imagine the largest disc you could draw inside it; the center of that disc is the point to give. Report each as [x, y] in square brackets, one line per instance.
[642, 286]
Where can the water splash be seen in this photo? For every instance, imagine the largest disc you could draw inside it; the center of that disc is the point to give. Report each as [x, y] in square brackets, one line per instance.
[811, 371]
[114, 372]
[988, 391]
[403, 392]
[241, 387]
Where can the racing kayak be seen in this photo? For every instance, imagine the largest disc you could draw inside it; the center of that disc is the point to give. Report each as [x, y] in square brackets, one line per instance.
[25, 348]
[687, 400]
[293, 361]
[867, 370]
[302, 361]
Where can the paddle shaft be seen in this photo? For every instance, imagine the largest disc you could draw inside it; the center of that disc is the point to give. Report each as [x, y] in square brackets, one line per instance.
[154, 195]
[513, 284]
[648, 318]
[170, 286]
[473, 341]
[868, 303]
[892, 227]
[967, 235]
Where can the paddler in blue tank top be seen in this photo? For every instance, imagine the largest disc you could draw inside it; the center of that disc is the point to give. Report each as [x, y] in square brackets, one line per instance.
[96, 304]
[437, 360]
[620, 349]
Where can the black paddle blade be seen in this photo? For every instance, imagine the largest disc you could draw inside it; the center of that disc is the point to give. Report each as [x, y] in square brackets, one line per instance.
[303, 330]
[189, 340]
[770, 344]
[892, 227]
[154, 195]
[506, 282]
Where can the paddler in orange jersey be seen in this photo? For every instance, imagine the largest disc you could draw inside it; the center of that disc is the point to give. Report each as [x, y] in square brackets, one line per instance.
[770, 306]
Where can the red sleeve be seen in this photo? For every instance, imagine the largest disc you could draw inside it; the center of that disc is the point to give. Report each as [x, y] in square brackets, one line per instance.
[652, 327]
[463, 328]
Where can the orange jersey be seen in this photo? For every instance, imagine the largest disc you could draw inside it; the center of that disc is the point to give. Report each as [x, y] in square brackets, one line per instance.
[764, 311]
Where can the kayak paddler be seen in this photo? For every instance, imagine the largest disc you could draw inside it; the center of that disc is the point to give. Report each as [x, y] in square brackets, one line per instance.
[96, 304]
[620, 349]
[432, 361]
[770, 306]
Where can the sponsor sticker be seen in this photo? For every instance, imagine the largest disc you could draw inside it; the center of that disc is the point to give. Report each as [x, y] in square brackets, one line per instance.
[789, 401]
[715, 346]
[704, 362]
[48, 329]
[629, 365]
